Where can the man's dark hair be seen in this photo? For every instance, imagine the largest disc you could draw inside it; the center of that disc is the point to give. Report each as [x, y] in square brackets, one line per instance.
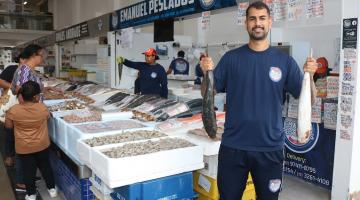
[29, 90]
[31, 50]
[181, 54]
[258, 5]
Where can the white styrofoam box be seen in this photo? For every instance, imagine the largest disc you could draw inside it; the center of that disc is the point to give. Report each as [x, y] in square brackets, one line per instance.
[51, 128]
[84, 150]
[182, 130]
[63, 113]
[75, 134]
[210, 146]
[61, 132]
[116, 115]
[116, 172]
[210, 166]
[53, 102]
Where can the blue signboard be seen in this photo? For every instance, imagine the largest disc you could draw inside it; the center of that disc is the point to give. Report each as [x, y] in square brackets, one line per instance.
[313, 160]
[150, 10]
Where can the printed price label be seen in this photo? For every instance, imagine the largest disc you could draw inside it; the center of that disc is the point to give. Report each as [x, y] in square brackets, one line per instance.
[204, 183]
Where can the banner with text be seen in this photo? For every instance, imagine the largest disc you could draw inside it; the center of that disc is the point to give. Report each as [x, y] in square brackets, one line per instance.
[150, 10]
[312, 160]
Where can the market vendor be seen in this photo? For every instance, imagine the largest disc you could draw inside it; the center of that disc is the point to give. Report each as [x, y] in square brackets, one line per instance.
[152, 76]
[179, 65]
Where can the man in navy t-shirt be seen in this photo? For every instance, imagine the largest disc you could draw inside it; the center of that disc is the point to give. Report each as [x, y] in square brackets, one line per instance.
[179, 65]
[152, 77]
[254, 77]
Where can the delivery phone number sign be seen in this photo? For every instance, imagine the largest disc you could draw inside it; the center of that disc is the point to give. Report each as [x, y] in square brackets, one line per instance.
[313, 160]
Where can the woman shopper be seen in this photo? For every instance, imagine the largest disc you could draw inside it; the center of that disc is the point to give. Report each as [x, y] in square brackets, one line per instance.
[34, 55]
[29, 121]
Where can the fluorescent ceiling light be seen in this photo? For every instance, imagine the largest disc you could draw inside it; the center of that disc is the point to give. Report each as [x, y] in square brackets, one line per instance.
[25, 2]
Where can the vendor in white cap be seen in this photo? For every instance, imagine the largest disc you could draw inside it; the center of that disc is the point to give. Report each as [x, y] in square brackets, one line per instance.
[152, 76]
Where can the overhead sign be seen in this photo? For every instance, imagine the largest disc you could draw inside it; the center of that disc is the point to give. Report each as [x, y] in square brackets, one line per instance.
[74, 32]
[150, 10]
[98, 26]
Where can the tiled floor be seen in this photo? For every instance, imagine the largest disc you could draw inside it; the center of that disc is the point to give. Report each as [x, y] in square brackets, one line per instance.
[295, 189]
[6, 191]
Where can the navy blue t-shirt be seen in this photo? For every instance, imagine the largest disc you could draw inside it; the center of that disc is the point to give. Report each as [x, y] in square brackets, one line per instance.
[180, 66]
[255, 82]
[152, 78]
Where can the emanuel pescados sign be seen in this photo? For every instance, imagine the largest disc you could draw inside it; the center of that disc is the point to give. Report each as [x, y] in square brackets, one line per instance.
[150, 10]
[74, 32]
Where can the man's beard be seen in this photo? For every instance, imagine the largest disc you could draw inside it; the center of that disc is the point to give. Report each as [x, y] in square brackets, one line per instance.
[253, 35]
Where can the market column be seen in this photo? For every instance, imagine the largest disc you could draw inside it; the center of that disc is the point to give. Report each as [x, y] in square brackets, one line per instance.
[58, 60]
[346, 174]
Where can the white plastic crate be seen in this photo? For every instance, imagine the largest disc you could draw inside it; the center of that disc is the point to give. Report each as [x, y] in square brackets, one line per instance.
[75, 134]
[116, 172]
[210, 166]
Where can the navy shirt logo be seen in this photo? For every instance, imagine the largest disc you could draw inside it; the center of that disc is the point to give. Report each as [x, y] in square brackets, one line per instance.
[275, 74]
[207, 4]
[180, 66]
[153, 75]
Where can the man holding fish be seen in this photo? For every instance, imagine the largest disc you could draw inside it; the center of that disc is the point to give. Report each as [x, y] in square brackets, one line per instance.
[255, 77]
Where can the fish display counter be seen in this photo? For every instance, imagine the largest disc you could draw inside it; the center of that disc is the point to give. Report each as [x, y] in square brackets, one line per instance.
[108, 135]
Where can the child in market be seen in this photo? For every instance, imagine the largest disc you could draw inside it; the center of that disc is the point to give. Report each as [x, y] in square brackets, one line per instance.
[29, 120]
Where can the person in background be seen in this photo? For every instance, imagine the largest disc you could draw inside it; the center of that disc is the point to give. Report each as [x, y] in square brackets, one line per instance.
[179, 65]
[198, 72]
[6, 78]
[152, 76]
[29, 121]
[253, 140]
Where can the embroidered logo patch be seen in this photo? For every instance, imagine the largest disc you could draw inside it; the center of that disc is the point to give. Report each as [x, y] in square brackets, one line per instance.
[274, 185]
[153, 75]
[275, 74]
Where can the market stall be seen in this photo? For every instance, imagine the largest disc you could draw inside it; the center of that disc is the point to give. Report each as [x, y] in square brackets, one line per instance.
[95, 133]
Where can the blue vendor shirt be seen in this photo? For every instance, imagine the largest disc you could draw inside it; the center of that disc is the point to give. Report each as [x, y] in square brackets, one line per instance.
[152, 78]
[255, 83]
[180, 66]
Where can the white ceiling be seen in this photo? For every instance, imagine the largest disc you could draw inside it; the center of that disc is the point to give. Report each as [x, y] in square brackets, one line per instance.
[14, 37]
